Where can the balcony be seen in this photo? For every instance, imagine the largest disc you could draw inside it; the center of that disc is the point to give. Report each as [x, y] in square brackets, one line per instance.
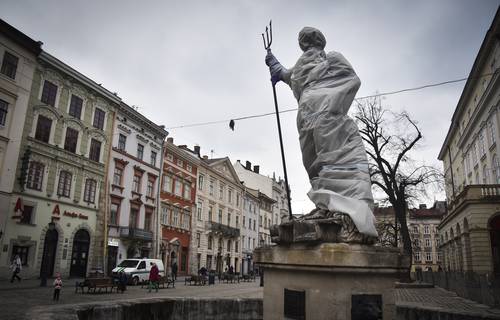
[478, 193]
[134, 233]
[221, 229]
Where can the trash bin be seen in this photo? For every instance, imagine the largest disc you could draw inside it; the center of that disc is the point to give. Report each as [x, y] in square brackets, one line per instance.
[211, 278]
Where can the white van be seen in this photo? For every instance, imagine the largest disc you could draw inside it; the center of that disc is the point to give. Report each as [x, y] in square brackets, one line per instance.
[137, 270]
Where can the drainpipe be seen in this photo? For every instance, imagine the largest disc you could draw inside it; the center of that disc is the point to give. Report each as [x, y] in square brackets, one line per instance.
[158, 201]
[106, 200]
[451, 170]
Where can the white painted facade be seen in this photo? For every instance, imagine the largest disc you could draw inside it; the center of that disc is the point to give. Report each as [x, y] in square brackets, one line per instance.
[133, 178]
[221, 196]
[249, 228]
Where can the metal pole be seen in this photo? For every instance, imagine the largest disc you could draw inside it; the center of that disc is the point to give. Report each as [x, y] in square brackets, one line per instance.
[282, 151]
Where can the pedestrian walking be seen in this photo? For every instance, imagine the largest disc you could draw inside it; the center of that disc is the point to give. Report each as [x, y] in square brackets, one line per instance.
[16, 267]
[122, 281]
[174, 271]
[57, 287]
[154, 277]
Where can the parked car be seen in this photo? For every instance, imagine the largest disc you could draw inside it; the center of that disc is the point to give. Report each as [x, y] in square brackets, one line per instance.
[137, 270]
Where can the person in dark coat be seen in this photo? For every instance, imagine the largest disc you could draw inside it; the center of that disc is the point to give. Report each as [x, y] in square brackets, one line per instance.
[174, 271]
[122, 281]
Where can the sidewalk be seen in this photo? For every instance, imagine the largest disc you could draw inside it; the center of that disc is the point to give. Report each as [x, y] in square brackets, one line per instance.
[19, 297]
[443, 301]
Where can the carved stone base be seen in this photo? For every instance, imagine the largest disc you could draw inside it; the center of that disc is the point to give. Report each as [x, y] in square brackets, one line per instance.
[319, 226]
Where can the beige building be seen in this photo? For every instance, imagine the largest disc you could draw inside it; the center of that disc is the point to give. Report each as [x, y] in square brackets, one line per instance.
[55, 215]
[470, 232]
[422, 226]
[18, 55]
[220, 195]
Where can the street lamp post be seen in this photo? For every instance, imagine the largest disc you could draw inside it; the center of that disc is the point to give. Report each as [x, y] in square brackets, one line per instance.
[43, 273]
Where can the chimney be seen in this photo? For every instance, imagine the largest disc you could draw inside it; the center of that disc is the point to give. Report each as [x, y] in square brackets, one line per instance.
[248, 165]
[170, 140]
[197, 150]
[422, 206]
[256, 169]
[205, 157]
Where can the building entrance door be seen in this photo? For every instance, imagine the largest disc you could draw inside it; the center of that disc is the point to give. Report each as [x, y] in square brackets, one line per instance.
[495, 243]
[79, 254]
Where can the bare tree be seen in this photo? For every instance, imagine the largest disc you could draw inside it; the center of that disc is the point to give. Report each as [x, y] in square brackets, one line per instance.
[389, 139]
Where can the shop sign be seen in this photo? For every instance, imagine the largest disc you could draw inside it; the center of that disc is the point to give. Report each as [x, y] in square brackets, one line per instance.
[75, 215]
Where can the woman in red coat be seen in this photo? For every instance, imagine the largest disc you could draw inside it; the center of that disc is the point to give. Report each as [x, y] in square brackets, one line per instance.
[154, 277]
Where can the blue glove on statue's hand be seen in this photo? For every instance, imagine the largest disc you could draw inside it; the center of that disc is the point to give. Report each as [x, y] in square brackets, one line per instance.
[275, 68]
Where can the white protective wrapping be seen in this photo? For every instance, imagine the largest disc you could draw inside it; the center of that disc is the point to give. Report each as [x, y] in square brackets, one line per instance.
[332, 149]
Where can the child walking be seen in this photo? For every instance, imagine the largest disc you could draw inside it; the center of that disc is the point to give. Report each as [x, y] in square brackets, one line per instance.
[57, 287]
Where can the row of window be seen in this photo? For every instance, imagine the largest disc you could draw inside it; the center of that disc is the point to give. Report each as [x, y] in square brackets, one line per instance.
[478, 146]
[49, 95]
[36, 174]
[427, 229]
[427, 243]
[179, 162]
[122, 145]
[177, 186]
[118, 174]
[134, 215]
[42, 133]
[428, 256]
[175, 217]
[220, 247]
[222, 190]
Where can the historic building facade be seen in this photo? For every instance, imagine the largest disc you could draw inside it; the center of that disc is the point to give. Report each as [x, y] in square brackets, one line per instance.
[18, 55]
[178, 208]
[272, 198]
[470, 231]
[220, 195]
[422, 225]
[57, 208]
[249, 228]
[133, 184]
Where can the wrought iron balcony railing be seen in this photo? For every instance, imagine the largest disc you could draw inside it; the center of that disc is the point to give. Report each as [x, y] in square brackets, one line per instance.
[219, 228]
[135, 233]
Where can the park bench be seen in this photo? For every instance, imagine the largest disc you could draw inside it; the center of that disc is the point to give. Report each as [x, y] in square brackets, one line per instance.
[196, 279]
[94, 284]
[163, 280]
[229, 277]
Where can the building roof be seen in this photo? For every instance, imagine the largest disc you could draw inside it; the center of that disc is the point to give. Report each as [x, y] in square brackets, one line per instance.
[491, 36]
[20, 38]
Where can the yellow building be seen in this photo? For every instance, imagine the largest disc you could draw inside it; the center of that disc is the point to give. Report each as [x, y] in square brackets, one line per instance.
[470, 232]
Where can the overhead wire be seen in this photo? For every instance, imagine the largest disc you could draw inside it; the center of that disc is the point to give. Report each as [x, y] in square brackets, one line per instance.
[426, 86]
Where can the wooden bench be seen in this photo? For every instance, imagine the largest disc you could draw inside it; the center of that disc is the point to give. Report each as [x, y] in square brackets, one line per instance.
[229, 277]
[163, 280]
[196, 279]
[94, 284]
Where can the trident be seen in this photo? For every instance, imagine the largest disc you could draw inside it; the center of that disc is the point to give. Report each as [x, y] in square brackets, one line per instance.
[267, 45]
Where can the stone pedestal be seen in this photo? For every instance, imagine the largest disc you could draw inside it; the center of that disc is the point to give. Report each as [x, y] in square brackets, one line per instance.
[334, 281]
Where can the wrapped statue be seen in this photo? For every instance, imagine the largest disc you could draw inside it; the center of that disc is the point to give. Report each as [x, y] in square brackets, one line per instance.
[333, 154]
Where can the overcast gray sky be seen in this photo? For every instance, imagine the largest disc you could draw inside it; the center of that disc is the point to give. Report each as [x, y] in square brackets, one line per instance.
[186, 62]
